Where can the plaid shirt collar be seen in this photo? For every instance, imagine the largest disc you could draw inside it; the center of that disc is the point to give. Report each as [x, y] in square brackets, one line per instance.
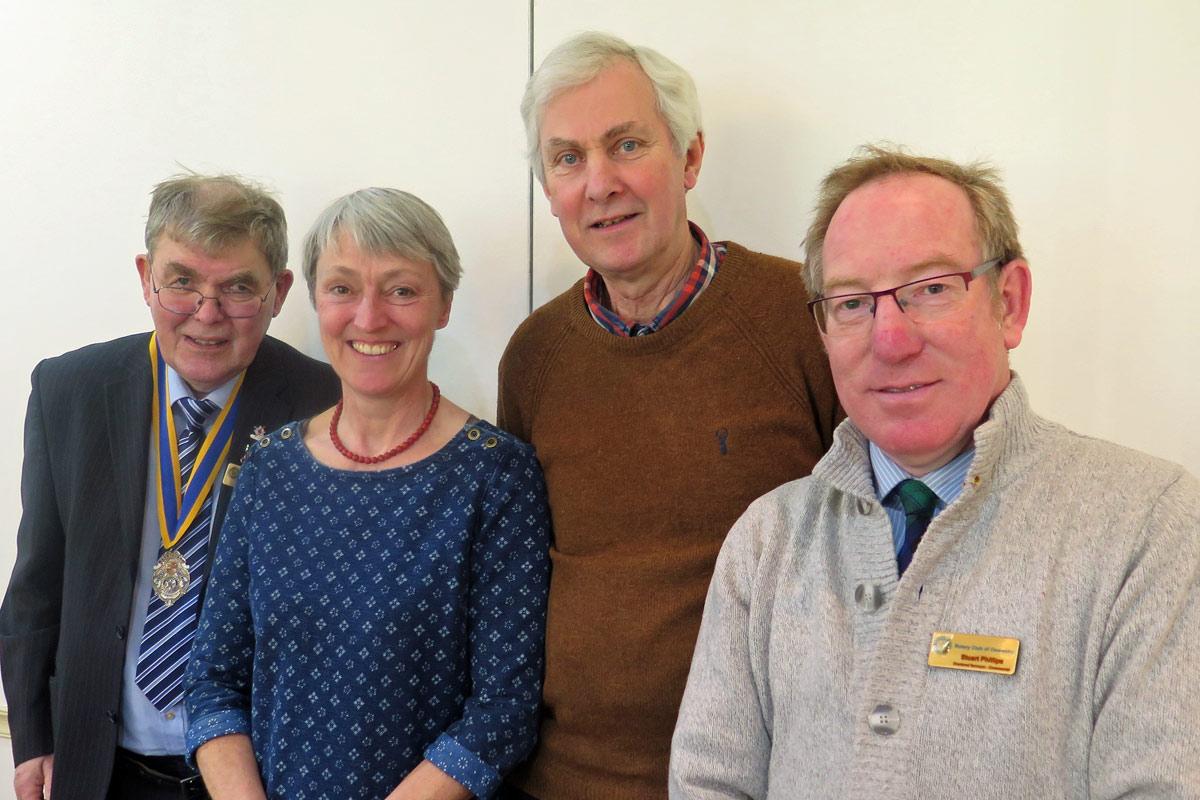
[596, 296]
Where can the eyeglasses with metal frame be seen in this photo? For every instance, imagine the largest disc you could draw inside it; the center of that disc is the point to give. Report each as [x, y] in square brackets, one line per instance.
[923, 300]
[237, 301]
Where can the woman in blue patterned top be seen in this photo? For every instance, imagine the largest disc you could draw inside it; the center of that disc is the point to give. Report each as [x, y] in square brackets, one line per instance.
[374, 623]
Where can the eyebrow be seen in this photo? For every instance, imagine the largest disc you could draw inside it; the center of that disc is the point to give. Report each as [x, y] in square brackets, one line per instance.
[619, 130]
[941, 261]
[390, 274]
[183, 270]
[555, 142]
[180, 269]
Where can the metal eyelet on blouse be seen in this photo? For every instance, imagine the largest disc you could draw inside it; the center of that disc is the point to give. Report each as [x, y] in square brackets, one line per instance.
[264, 441]
[491, 442]
[286, 433]
[473, 434]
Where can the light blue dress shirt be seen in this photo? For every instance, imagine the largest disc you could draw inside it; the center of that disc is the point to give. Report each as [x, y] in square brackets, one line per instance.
[145, 729]
[946, 482]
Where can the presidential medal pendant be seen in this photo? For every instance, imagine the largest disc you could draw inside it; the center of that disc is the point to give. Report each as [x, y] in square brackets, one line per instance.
[171, 577]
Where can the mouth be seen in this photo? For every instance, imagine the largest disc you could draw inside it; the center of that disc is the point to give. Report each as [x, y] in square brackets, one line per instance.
[374, 348]
[611, 221]
[207, 343]
[903, 388]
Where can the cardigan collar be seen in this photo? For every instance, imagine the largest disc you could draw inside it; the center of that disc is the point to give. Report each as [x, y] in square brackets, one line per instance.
[1009, 432]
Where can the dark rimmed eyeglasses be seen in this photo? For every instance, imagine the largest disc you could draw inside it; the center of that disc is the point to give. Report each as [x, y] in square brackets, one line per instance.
[237, 301]
[923, 301]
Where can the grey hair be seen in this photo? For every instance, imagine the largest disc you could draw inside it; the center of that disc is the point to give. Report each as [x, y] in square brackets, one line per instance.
[580, 59]
[216, 212]
[385, 222]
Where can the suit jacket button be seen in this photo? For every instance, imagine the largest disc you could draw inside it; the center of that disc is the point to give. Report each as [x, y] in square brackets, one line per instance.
[112, 717]
[121, 632]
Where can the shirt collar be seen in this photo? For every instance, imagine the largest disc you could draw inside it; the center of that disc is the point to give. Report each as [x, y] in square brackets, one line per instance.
[946, 481]
[595, 295]
[178, 388]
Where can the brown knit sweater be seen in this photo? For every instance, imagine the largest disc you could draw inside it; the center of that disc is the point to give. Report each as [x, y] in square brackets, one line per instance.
[652, 448]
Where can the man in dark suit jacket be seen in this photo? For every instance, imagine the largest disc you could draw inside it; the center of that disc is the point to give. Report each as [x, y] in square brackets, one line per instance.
[71, 625]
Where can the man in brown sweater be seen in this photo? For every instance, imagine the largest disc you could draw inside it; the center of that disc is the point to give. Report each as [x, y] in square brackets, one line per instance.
[676, 382]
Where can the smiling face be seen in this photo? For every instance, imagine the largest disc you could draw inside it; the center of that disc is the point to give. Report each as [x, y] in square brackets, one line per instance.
[613, 177]
[377, 315]
[209, 348]
[919, 391]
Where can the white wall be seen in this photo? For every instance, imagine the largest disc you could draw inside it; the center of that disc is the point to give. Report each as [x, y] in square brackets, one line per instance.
[100, 101]
[1088, 107]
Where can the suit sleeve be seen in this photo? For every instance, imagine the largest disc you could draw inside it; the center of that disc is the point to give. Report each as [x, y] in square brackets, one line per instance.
[29, 618]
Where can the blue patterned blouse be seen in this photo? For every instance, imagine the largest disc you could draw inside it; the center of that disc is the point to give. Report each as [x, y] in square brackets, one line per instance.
[357, 622]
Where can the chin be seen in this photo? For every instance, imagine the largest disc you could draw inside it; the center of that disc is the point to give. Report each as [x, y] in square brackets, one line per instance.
[367, 391]
[909, 443]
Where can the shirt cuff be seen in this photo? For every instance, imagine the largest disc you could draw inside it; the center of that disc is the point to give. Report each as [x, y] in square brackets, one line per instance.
[212, 726]
[464, 766]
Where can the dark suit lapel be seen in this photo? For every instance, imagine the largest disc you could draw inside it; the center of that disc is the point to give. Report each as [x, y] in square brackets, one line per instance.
[127, 416]
[261, 405]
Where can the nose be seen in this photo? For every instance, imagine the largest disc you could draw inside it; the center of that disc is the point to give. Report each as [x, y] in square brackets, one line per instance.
[370, 313]
[210, 311]
[894, 335]
[602, 179]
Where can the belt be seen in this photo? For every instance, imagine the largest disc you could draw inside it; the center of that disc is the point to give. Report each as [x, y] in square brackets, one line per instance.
[171, 772]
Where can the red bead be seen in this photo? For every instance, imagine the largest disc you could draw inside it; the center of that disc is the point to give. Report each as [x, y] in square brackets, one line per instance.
[395, 451]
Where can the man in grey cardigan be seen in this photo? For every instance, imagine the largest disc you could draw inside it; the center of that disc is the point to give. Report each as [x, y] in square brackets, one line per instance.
[964, 599]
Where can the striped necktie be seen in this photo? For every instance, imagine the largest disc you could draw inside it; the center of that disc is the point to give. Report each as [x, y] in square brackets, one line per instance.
[918, 501]
[169, 630]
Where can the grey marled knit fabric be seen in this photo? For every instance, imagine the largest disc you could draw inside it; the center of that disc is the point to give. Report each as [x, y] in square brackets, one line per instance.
[1086, 552]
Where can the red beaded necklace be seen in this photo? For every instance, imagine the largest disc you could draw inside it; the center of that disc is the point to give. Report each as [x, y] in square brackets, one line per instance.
[395, 451]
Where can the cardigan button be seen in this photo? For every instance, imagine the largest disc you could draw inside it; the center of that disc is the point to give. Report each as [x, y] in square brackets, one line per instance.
[865, 507]
[868, 597]
[884, 720]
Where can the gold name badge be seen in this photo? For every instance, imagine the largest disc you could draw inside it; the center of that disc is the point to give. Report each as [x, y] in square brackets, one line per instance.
[978, 653]
[231, 473]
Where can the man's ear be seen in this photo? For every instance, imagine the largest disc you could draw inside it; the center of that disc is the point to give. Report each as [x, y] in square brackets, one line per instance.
[143, 267]
[691, 162]
[283, 284]
[1015, 288]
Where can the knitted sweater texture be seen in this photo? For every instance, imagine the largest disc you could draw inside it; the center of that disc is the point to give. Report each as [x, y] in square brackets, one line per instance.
[652, 447]
[1086, 552]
